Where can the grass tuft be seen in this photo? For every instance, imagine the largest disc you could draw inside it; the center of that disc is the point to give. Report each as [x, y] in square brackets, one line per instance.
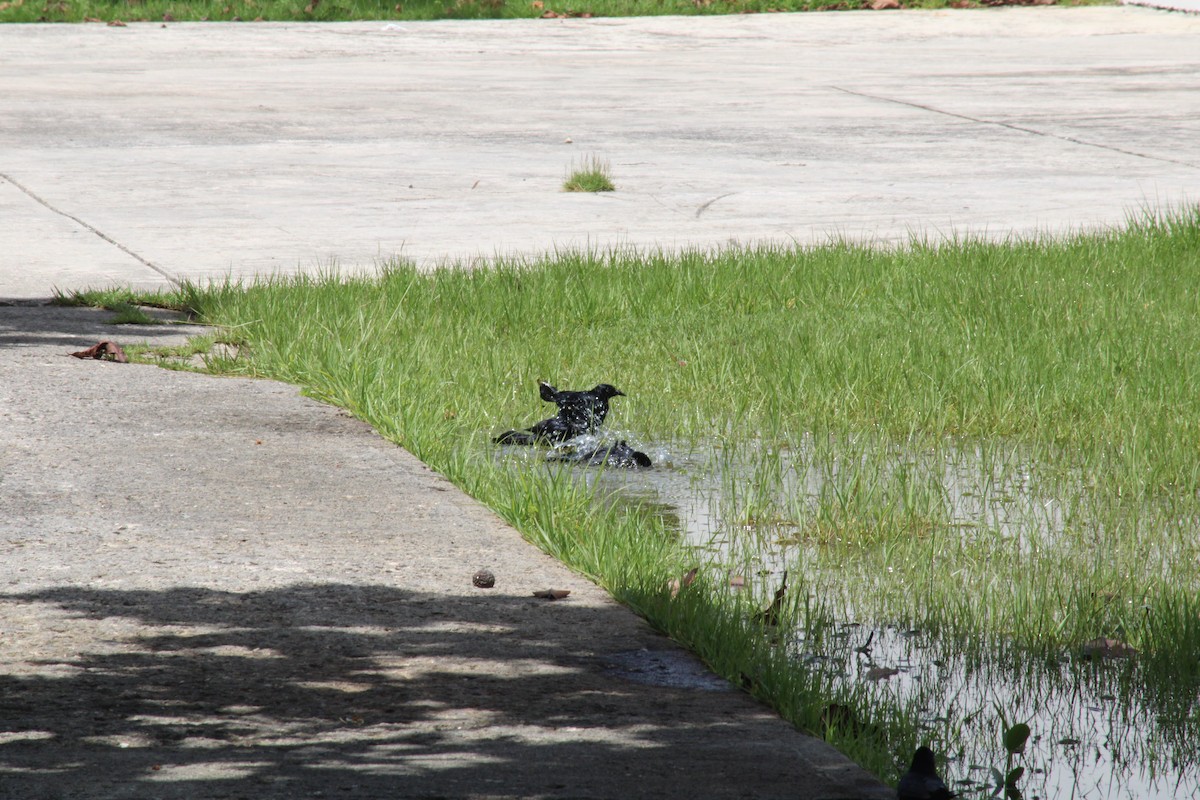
[128, 314]
[594, 175]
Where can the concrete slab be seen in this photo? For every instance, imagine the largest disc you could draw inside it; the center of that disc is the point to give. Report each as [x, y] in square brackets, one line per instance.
[211, 149]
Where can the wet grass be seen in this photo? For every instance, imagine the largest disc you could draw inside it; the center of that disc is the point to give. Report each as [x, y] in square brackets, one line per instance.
[993, 588]
[994, 445]
[339, 10]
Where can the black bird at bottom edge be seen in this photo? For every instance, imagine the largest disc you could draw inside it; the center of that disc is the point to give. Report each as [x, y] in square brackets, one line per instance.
[579, 412]
[921, 782]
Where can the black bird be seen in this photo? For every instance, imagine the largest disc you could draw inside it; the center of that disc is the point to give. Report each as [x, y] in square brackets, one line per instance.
[612, 455]
[921, 782]
[578, 413]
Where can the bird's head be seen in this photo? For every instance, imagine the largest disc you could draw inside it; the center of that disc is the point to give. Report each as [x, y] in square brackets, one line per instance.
[923, 762]
[607, 390]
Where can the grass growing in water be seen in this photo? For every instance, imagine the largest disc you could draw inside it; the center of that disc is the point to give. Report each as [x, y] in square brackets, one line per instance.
[1075, 356]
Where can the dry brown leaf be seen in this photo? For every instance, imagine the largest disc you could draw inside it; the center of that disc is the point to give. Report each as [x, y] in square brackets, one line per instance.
[883, 5]
[1104, 647]
[687, 579]
[104, 350]
[770, 614]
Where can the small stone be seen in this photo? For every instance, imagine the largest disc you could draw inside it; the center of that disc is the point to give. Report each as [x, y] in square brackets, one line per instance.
[484, 579]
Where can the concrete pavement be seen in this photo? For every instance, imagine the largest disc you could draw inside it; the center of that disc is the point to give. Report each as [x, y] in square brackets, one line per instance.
[149, 152]
[218, 588]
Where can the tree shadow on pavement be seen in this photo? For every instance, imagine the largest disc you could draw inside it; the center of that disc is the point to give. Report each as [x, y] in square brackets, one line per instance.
[30, 324]
[364, 691]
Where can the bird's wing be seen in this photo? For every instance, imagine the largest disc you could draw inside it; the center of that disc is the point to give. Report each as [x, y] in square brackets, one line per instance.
[554, 429]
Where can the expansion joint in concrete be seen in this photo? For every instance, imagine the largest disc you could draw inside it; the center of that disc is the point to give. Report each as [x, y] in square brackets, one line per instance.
[1011, 126]
[92, 228]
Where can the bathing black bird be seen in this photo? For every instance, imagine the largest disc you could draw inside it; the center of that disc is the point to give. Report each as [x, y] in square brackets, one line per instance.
[578, 413]
[921, 782]
[612, 455]
[582, 411]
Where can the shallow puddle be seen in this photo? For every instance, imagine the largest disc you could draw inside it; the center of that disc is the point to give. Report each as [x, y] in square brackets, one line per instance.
[756, 513]
[1087, 742]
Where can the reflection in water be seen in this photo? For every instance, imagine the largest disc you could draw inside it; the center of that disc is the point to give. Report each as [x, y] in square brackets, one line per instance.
[1090, 739]
[1098, 732]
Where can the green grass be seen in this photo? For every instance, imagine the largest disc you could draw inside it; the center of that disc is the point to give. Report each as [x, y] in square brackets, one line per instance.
[128, 307]
[593, 175]
[127, 314]
[123, 300]
[336, 10]
[1059, 377]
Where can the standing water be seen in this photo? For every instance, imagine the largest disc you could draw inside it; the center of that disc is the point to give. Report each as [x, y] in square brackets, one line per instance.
[1104, 724]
